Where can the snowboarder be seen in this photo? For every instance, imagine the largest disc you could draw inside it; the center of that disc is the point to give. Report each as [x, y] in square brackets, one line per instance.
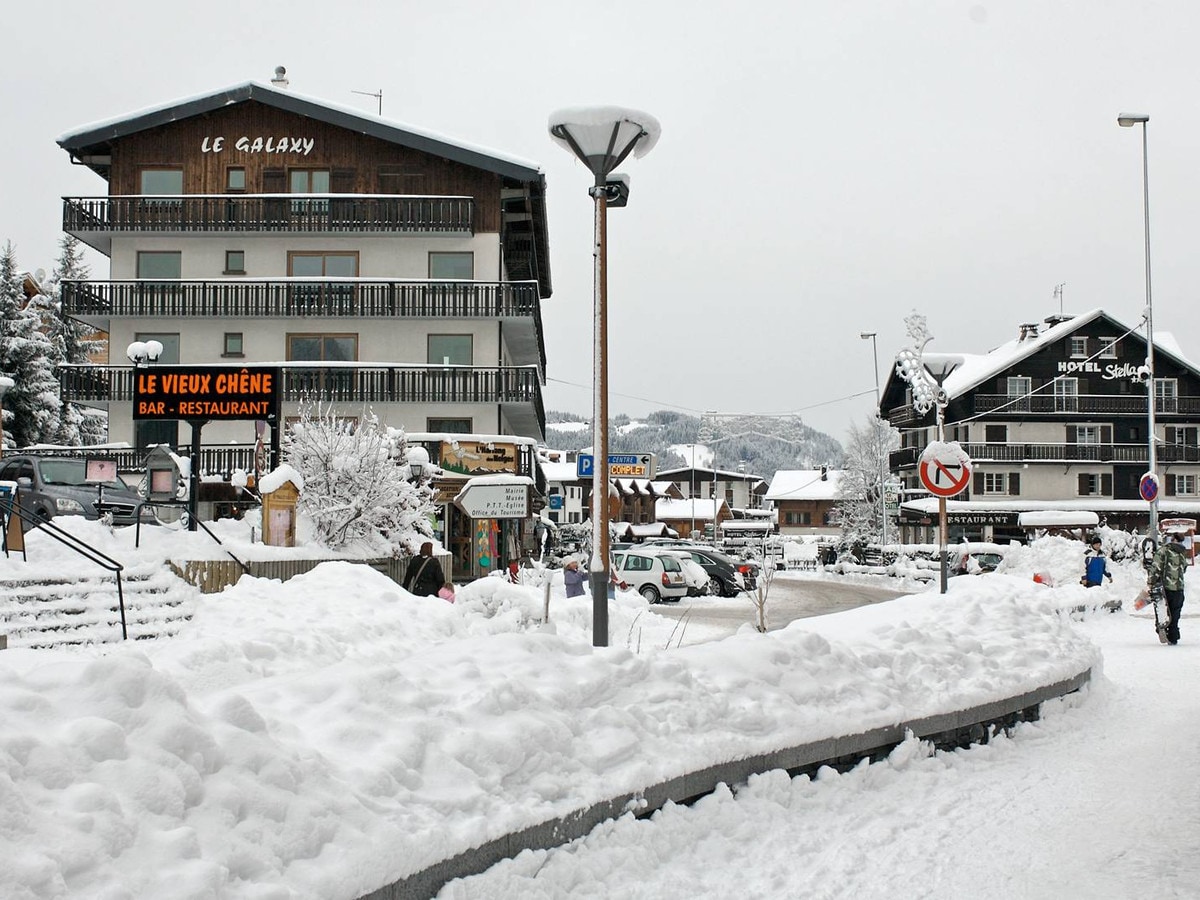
[1166, 572]
[1095, 565]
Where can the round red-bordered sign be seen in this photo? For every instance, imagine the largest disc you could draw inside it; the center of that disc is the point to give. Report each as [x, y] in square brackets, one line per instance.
[945, 474]
[1148, 487]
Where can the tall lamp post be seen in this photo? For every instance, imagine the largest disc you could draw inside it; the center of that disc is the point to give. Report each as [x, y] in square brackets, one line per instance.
[601, 138]
[1128, 120]
[882, 461]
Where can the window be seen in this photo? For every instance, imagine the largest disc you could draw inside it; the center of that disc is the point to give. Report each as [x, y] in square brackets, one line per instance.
[1087, 434]
[159, 264]
[1185, 485]
[995, 483]
[309, 181]
[323, 265]
[1166, 394]
[235, 179]
[1108, 348]
[1019, 388]
[161, 181]
[450, 350]
[451, 426]
[797, 518]
[1095, 485]
[233, 344]
[452, 265]
[235, 262]
[1079, 346]
[1066, 395]
[995, 434]
[326, 348]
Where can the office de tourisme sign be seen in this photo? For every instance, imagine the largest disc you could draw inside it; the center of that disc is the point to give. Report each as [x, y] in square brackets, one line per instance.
[205, 392]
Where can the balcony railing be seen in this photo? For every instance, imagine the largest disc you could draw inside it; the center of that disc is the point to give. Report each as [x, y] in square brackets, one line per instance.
[1064, 453]
[95, 219]
[517, 389]
[1083, 404]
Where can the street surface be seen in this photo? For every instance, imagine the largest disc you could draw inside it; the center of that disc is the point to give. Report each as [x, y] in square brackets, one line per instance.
[792, 596]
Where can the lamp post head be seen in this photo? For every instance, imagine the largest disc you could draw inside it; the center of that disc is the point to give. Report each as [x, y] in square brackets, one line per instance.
[418, 462]
[1128, 120]
[866, 335]
[601, 137]
[141, 352]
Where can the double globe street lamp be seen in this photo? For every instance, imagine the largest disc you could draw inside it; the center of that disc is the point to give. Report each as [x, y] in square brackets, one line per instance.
[602, 138]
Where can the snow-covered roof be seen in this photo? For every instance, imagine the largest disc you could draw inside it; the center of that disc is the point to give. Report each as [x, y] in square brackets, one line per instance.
[559, 472]
[278, 477]
[804, 484]
[88, 138]
[1058, 518]
[675, 510]
[928, 506]
[723, 474]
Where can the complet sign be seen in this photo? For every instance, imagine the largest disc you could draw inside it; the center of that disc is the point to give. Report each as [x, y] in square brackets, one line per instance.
[620, 465]
[205, 392]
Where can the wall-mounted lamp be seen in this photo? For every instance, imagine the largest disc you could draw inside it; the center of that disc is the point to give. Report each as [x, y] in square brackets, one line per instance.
[142, 353]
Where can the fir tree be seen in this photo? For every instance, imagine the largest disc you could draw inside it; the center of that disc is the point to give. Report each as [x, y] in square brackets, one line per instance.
[31, 406]
[74, 342]
[859, 487]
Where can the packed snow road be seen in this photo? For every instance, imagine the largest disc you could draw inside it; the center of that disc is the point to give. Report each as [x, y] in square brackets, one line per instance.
[1096, 800]
[792, 596]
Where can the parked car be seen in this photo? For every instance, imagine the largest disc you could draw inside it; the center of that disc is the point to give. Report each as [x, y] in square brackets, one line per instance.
[977, 563]
[693, 572]
[50, 486]
[655, 577]
[726, 578]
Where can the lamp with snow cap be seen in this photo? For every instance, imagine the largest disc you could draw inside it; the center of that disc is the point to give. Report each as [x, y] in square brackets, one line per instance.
[602, 138]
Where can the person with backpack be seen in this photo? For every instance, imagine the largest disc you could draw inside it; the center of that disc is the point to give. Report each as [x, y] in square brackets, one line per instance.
[1167, 570]
[1095, 564]
[423, 576]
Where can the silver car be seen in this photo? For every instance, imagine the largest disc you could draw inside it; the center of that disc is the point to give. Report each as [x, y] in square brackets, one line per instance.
[49, 486]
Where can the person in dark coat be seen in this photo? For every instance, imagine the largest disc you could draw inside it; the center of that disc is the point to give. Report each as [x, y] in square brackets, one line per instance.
[423, 576]
[1168, 570]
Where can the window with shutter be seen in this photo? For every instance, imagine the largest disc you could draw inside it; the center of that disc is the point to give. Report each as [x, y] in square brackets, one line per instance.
[1014, 484]
[1106, 485]
[978, 486]
[1084, 484]
[1170, 487]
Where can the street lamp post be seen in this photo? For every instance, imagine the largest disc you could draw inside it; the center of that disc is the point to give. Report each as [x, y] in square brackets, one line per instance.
[601, 138]
[1128, 120]
[939, 366]
[882, 462]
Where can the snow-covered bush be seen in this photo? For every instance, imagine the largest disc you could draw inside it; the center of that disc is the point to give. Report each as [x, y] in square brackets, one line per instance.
[357, 483]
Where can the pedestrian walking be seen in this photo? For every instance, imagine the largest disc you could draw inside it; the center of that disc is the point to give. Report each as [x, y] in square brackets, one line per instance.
[1167, 570]
[1095, 564]
[423, 576]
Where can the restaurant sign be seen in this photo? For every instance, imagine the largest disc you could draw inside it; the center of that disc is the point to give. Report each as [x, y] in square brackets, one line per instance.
[205, 393]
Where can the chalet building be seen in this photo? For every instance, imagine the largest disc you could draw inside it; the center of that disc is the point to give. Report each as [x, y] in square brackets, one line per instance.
[639, 497]
[805, 501]
[691, 517]
[565, 490]
[1056, 419]
[375, 264]
[739, 490]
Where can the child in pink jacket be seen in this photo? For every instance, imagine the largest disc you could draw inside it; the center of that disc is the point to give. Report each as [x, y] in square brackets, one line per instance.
[446, 592]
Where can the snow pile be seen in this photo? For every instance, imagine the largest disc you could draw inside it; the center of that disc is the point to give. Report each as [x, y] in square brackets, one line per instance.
[296, 729]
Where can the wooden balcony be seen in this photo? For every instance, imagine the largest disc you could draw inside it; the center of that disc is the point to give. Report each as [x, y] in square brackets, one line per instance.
[94, 220]
[1083, 404]
[908, 457]
[517, 304]
[517, 391]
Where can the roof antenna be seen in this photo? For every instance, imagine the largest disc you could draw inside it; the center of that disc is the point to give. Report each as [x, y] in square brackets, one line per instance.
[280, 79]
[378, 95]
[1058, 293]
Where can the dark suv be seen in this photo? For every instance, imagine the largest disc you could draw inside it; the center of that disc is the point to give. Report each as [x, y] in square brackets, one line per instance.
[49, 486]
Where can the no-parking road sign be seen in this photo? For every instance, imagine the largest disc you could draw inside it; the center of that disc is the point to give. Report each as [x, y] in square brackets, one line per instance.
[945, 473]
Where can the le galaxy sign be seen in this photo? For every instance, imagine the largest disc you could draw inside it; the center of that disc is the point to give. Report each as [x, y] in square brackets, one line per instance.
[281, 144]
[205, 393]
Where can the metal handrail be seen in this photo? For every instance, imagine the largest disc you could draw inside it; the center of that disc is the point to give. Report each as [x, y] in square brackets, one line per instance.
[71, 542]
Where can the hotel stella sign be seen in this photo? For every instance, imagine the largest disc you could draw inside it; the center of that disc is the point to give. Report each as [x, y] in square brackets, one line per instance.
[205, 392]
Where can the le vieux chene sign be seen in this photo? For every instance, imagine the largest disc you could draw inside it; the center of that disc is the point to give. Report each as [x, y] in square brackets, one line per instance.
[205, 393]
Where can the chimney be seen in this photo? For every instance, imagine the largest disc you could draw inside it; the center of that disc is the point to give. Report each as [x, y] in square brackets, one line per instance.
[1029, 330]
[280, 79]
[824, 473]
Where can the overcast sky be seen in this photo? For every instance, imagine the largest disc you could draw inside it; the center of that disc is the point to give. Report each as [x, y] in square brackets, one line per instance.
[824, 169]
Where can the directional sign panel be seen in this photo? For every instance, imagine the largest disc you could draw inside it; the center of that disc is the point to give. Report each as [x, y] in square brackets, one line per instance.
[620, 465]
[494, 501]
[944, 473]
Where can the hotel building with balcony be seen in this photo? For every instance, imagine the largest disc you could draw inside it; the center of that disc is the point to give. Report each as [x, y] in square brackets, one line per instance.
[1056, 419]
[377, 265]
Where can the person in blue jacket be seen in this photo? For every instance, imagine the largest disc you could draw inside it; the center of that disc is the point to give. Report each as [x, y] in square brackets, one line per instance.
[573, 578]
[1095, 564]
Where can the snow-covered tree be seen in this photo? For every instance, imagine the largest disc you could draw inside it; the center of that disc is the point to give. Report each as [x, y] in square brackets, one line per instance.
[357, 483]
[74, 342]
[31, 406]
[859, 488]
